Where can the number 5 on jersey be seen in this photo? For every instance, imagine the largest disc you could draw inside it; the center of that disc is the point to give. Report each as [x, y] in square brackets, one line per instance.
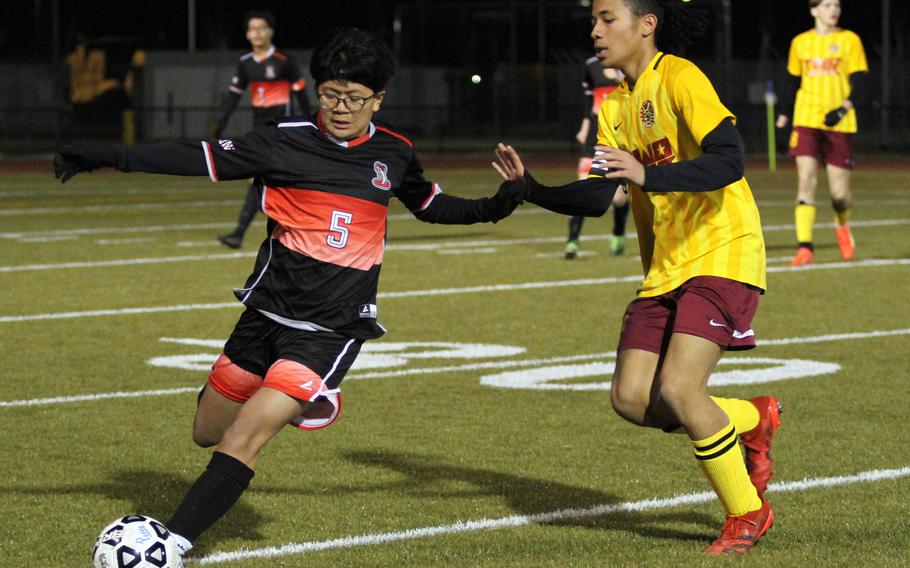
[338, 235]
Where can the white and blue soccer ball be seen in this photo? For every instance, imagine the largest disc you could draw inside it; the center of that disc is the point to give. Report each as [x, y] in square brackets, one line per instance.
[136, 542]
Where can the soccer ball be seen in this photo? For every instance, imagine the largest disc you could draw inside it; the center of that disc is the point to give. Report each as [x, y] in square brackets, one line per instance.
[136, 542]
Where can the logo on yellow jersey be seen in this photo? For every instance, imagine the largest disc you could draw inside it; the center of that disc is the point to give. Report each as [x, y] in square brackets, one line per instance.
[646, 112]
[817, 66]
[657, 153]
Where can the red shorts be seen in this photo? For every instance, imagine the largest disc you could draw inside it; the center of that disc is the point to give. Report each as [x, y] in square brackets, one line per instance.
[834, 148]
[716, 309]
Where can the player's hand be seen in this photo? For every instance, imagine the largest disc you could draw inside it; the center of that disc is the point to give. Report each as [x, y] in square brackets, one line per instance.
[510, 195]
[71, 160]
[508, 163]
[835, 116]
[620, 164]
[782, 121]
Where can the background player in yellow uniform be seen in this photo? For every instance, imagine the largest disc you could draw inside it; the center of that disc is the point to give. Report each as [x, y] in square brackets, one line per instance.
[830, 62]
[665, 131]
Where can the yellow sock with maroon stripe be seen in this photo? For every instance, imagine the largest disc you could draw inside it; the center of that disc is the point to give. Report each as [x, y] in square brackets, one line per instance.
[743, 414]
[722, 462]
[842, 217]
[805, 219]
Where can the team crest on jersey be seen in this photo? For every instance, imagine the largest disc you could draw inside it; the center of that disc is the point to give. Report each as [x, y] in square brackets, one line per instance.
[647, 113]
[269, 72]
[381, 181]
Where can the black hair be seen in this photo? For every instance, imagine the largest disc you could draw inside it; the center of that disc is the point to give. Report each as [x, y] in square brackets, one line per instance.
[261, 15]
[677, 24]
[353, 55]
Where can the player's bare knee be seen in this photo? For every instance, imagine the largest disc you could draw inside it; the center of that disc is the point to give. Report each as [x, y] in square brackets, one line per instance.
[204, 436]
[674, 393]
[628, 405]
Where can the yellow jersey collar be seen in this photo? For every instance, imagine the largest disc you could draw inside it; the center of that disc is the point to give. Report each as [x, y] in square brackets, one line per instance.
[652, 66]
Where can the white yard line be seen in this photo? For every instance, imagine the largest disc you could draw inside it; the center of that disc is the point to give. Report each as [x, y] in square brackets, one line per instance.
[403, 217]
[119, 312]
[870, 476]
[127, 262]
[433, 246]
[116, 230]
[118, 207]
[443, 291]
[467, 367]
[98, 396]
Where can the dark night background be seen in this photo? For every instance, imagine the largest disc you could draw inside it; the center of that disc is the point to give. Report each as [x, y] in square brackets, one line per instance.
[436, 32]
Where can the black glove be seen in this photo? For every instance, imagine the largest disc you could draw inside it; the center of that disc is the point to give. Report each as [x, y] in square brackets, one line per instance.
[71, 160]
[509, 196]
[835, 116]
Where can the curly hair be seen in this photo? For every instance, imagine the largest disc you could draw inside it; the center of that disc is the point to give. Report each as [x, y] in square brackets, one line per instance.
[678, 25]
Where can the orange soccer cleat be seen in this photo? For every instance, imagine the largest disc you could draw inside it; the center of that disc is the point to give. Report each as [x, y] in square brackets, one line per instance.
[757, 442]
[844, 241]
[803, 256]
[741, 533]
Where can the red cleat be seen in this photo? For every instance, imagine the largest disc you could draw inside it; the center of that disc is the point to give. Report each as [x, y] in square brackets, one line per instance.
[844, 241]
[757, 442]
[803, 256]
[741, 533]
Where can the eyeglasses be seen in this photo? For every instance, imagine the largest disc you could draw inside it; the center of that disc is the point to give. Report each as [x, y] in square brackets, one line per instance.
[328, 101]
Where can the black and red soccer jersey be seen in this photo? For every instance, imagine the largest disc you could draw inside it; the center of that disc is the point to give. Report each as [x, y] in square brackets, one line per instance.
[271, 79]
[327, 202]
[596, 87]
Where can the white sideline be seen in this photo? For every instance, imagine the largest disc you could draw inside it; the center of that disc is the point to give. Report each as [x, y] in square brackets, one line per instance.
[539, 518]
[448, 291]
[441, 369]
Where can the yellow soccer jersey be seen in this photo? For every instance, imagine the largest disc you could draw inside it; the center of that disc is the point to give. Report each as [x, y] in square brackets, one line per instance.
[825, 63]
[682, 234]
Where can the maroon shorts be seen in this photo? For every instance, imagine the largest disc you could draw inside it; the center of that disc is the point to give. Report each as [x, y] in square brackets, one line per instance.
[834, 148]
[717, 309]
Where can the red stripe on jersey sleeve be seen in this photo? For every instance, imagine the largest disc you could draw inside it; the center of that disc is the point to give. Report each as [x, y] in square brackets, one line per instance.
[333, 228]
[270, 93]
[401, 137]
[209, 161]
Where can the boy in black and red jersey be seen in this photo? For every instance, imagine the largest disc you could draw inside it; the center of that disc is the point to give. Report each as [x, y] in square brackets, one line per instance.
[326, 183]
[597, 84]
[271, 77]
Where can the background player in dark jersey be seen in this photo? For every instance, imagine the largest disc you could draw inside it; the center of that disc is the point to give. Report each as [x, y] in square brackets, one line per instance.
[311, 298]
[271, 77]
[597, 84]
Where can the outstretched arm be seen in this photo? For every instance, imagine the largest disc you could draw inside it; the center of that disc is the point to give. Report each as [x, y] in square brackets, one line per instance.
[588, 197]
[239, 158]
[428, 203]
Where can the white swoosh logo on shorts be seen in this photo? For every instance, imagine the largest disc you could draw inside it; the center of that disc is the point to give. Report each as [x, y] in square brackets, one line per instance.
[715, 324]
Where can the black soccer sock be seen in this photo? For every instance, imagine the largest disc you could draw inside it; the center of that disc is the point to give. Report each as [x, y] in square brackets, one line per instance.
[250, 207]
[575, 224]
[214, 493]
[620, 214]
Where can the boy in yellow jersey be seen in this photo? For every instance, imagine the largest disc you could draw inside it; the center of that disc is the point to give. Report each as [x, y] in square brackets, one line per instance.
[666, 133]
[827, 63]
